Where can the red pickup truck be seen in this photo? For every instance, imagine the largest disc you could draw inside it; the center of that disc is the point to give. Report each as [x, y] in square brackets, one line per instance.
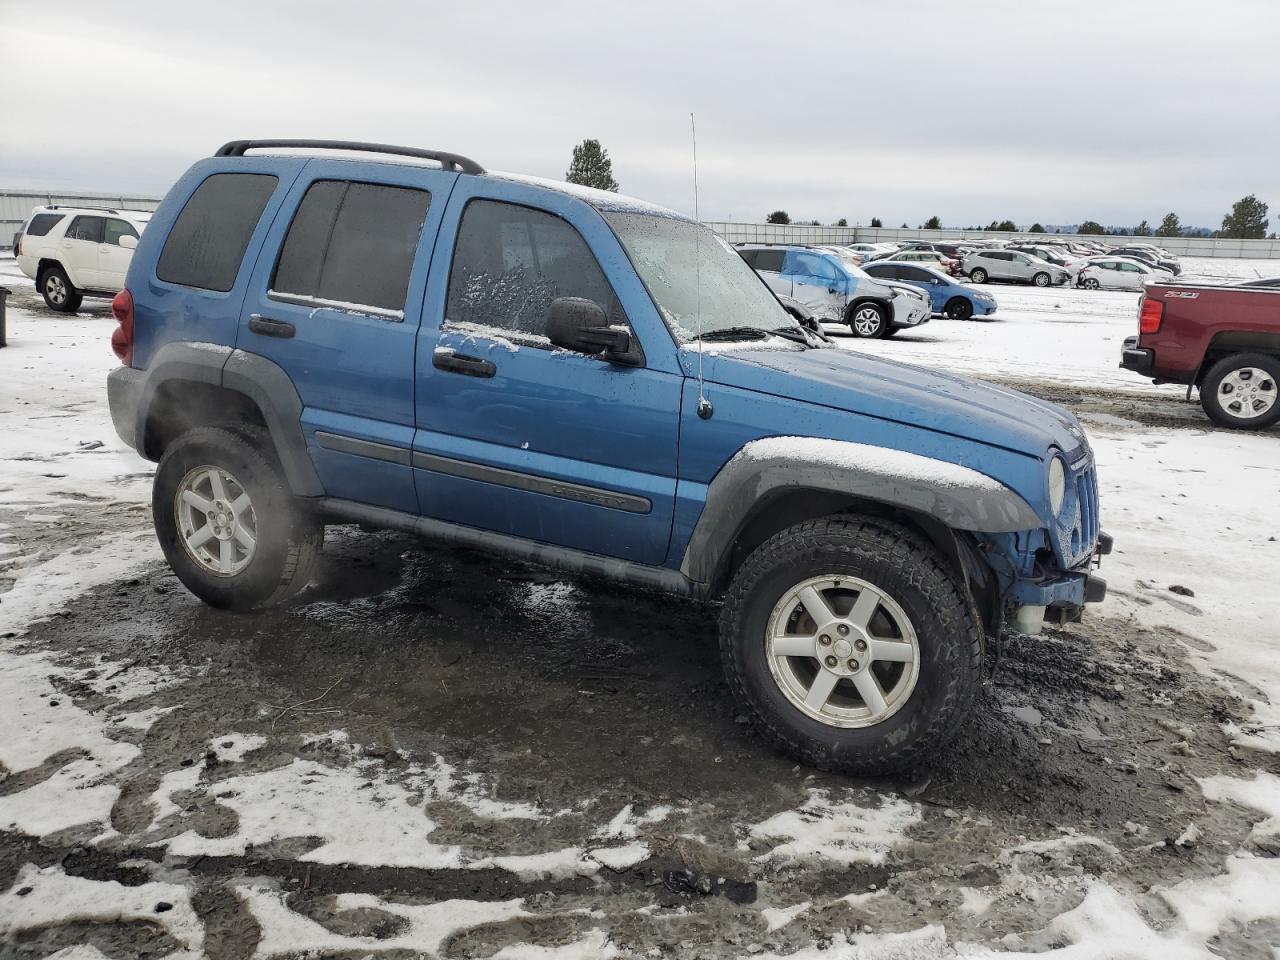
[1221, 337]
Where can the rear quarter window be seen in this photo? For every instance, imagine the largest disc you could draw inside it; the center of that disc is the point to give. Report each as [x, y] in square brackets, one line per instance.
[206, 245]
[42, 223]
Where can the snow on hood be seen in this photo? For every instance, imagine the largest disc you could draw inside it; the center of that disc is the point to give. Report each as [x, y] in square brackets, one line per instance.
[889, 390]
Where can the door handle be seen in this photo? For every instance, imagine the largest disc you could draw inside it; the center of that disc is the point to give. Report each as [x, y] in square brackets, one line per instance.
[271, 328]
[446, 358]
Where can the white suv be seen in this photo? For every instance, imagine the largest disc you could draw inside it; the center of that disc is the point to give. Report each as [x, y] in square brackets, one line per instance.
[77, 252]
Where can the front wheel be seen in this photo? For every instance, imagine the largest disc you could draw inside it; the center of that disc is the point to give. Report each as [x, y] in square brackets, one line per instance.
[228, 523]
[978, 275]
[1041, 279]
[1091, 284]
[852, 644]
[868, 321]
[1241, 391]
[958, 308]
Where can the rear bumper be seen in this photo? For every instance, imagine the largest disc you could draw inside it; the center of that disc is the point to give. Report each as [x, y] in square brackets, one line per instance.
[1138, 359]
[124, 393]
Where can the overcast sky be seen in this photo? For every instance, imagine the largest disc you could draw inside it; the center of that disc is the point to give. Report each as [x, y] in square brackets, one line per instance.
[1115, 110]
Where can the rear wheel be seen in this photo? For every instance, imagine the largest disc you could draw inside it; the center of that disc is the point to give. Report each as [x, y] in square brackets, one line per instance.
[867, 320]
[1042, 279]
[978, 275]
[227, 522]
[1240, 391]
[958, 308]
[852, 644]
[58, 291]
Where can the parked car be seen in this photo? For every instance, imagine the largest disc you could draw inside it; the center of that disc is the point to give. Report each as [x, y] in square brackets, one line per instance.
[1149, 256]
[930, 258]
[866, 250]
[1222, 338]
[1048, 254]
[948, 297]
[1117, 273]
[77, 252]
[836, 291]
[1011, 266]
[517, 365]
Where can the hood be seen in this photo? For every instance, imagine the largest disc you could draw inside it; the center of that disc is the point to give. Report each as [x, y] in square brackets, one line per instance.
[901, 392]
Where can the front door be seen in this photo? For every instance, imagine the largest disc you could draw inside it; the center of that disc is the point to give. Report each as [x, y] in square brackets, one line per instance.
[516, 436]
[815, 283]
[335, 299]
[113, 259]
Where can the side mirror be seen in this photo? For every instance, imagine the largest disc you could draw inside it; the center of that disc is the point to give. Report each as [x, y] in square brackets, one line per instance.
[581, 325]
[129, 242]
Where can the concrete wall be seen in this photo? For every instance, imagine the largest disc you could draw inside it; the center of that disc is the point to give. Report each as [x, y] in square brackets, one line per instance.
[16, 206]
[796, 233]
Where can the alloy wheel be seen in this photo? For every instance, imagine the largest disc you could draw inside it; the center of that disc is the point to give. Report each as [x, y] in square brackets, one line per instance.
[842, 651]
[1247, 393]
[55, 289]
[216, 520]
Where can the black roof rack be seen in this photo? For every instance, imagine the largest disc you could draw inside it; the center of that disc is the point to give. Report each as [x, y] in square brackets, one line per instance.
[448, 161]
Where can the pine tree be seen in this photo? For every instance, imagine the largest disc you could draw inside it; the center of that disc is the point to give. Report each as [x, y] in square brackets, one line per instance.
[591, 167]
[1142, 230]
[1246, 221]
[933, 223]
[875, 223]
[778, 216]
[1170, 226]
[1092, 227]
[1036, 228]
[1008, 226]
[842, 222]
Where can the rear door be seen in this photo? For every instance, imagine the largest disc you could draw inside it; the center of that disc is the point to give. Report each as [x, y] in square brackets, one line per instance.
[521, 438]
[78, 250]
[335, 299]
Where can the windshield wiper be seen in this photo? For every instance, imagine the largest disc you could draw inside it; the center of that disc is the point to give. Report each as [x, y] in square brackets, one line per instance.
[734, 333]
[798, 334]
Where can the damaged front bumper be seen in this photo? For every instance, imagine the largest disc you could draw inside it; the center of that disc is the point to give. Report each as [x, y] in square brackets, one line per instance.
[1059, 599]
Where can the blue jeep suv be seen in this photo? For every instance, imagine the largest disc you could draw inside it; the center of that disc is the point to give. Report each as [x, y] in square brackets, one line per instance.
[602, 386]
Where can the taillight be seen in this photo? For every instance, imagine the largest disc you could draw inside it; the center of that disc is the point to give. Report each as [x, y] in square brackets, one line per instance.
[122, 336]
[1150, 315]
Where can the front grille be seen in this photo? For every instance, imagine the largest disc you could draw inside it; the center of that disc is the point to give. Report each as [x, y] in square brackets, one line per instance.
[1077, 532]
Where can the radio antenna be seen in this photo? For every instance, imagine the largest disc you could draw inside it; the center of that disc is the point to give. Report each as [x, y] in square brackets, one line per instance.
[704, 405]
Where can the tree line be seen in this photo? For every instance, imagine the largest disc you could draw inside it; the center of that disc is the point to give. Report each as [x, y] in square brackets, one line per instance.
[590, 166]
[1247, 220]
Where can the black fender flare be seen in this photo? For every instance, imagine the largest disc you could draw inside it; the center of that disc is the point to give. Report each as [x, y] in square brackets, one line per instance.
[254, 376]
[957, 498]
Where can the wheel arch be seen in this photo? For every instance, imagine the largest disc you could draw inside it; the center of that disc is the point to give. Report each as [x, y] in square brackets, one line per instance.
[885, 306]
[752, 498]
[206, 384]
[1228, 342]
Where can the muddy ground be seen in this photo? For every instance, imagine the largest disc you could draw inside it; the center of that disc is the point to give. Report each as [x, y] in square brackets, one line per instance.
[590, 697]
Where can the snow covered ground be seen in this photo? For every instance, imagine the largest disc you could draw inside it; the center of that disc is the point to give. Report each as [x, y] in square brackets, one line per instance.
[333, 779]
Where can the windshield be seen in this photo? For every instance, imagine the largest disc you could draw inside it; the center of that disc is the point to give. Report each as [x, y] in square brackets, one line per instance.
[698, 282]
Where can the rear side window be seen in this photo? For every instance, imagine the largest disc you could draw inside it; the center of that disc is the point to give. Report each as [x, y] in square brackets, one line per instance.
[770, 260]
[206, 245]
[42, 223]
[510, 263]
[88, 229]
[352, 244]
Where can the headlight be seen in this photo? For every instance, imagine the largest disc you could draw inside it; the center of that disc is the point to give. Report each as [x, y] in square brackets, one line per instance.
[1057, 484]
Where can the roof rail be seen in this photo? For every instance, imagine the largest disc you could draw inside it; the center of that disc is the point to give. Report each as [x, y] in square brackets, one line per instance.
[448, 161]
